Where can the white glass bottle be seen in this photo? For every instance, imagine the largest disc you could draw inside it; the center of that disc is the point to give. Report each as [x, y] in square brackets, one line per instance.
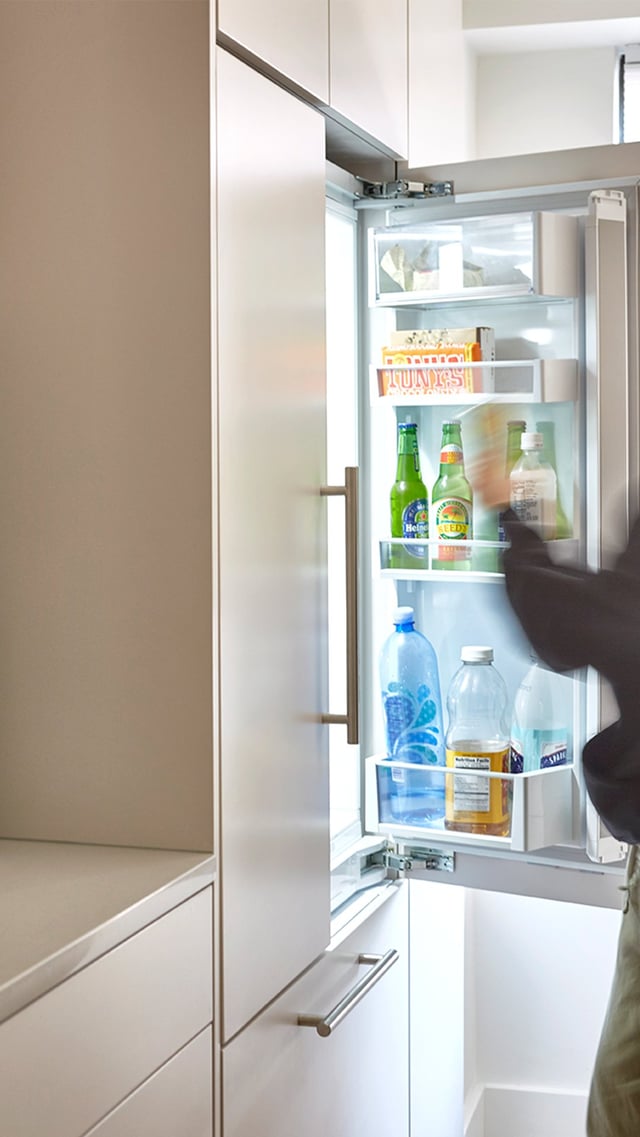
[533, 487]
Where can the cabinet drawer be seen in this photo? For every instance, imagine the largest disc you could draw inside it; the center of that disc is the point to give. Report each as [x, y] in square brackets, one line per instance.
[72, 1055]
[175, 1102]
[281, 1079]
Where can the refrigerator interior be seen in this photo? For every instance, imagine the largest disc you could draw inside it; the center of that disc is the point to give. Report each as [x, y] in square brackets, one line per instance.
[539, 375]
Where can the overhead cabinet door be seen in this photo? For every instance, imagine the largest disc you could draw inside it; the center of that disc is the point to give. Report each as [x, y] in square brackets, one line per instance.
[274, 820]
[290, 36]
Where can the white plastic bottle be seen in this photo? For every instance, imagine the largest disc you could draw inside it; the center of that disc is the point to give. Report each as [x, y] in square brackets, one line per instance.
[540, 727]
[477, 743]
[533, 487]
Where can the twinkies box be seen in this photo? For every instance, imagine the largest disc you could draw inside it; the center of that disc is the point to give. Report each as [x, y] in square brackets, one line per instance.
[431, 362]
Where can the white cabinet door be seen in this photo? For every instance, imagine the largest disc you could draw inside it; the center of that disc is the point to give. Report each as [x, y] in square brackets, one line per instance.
[368, 68]
[280, 1079]
[274, 791]
[291, 36]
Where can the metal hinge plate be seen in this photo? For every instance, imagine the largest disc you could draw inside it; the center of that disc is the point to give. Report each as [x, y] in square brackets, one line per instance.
[411, 858]
[388, 191]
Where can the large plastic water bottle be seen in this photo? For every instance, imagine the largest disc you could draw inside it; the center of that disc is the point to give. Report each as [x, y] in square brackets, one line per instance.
[540, 726]
[412, 708]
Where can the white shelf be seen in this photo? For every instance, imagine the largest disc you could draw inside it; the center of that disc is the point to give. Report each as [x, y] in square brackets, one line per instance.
[542, 810]
[504, 381]
[478, 567]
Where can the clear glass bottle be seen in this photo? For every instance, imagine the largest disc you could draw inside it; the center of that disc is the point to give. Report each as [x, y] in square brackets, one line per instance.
[477, 742]
[412, 707]
[548, 432]
[515, 430]
[452, 502]
[534, 487]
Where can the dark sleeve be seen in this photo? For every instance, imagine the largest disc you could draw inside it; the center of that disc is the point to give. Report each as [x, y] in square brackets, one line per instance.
[611, 764]
[575, 618]
[550, 601]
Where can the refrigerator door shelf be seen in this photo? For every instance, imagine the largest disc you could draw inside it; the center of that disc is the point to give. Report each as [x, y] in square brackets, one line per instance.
[471, 384]
[476, 258]
[409, 558]
[543, 810]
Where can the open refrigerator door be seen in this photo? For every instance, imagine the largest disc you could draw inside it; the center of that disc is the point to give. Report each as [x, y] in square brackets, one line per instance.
[483, 312]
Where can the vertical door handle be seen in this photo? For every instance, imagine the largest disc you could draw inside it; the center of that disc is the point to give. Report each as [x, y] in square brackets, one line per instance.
[349, 491]
[325, 1024]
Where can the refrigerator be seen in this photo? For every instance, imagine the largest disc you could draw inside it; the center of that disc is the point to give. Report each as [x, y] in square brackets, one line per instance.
[543, 251]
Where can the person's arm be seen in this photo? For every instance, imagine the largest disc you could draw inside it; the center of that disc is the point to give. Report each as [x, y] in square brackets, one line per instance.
[549, 600]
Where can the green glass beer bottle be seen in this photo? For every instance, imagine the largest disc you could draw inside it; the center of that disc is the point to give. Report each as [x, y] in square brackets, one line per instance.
[452, 502]
[409, 501]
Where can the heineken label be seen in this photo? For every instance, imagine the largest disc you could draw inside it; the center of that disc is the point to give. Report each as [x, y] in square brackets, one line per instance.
[415, 519]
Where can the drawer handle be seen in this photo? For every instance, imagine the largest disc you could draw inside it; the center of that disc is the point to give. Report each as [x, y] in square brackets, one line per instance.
[327, 1023]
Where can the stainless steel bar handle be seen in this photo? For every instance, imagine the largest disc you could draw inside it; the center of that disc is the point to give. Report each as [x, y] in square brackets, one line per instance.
[350, 493]
[328, 1023]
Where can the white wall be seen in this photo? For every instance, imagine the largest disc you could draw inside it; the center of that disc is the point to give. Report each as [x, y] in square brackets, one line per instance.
[552, 100]
[543, 971]
[492, 13]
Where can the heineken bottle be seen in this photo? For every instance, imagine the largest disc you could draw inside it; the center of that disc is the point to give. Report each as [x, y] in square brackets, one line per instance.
[452, 503]
[409, 502]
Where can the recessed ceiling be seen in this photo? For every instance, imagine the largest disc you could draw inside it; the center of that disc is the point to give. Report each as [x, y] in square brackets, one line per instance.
[554, 37]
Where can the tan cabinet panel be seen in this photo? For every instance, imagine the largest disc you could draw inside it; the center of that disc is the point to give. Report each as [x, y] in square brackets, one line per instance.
[274, 778]
[175, 1102]
[105, 452]
[290, 36]
[280, 1079]
[72, 1054]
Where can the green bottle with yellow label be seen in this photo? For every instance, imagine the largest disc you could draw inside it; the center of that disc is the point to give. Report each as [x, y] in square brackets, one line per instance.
[452, 503]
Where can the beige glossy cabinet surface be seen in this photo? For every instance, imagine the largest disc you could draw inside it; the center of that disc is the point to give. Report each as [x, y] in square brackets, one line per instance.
[369, 68]
[280, 1079]
[274, 793]
[290, 36]
[175, 1102]
[74, 1053]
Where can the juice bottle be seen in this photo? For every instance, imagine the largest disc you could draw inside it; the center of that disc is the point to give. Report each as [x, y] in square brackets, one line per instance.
[547, 430]
[534, 487]
[477, 742]
[515, 430]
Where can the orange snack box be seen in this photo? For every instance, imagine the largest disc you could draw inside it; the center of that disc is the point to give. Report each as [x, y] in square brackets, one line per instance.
[425, 362]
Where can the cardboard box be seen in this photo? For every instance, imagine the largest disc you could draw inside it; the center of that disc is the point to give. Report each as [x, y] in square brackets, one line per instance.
[431, 362]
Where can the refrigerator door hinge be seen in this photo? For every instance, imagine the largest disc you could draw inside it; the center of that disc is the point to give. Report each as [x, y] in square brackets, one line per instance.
[388, 191]
[400, 862]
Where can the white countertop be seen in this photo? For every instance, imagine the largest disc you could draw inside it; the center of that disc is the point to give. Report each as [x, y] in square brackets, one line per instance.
[62, 906]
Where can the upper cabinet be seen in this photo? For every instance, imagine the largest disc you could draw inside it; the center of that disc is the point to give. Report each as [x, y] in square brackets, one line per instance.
[368, 73]
[289, 36]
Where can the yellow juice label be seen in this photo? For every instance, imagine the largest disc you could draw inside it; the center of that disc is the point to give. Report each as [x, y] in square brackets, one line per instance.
[471, 798]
